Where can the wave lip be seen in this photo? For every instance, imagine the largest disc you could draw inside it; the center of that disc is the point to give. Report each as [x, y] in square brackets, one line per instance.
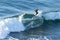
[52, 16]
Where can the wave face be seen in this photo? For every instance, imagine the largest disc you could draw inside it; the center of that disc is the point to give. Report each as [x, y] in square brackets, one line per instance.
[10, 8]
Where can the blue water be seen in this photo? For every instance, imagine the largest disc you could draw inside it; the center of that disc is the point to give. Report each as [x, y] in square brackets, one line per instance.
[10, 8]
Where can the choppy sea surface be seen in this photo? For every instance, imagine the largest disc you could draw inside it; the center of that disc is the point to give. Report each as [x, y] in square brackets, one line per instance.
[10, 8]
[48, 31]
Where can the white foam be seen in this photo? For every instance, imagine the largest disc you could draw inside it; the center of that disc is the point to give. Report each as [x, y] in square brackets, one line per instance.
[14, 25]
[10, 25]
[4, 30]
[52, 16]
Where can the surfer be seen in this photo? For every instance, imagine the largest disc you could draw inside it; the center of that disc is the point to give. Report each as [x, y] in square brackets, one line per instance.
[36, 11]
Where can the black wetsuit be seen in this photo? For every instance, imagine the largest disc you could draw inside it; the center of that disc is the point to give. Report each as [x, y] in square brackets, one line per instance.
[36, 11]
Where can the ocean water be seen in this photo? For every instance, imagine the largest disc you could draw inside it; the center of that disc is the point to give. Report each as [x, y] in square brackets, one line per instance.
[50, 8]
[9, 8]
